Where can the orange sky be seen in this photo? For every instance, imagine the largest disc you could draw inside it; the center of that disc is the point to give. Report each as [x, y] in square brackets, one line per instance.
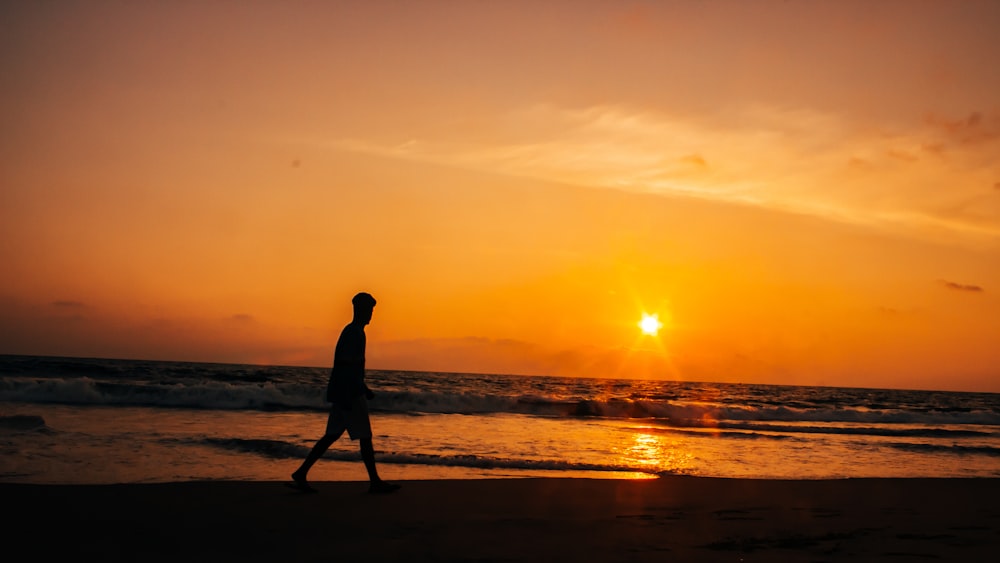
[805, 192]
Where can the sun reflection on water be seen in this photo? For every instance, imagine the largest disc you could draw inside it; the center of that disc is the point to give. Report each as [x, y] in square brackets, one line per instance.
[652, 451]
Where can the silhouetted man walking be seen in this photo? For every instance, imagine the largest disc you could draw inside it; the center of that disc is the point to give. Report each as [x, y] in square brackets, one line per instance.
[348, 396]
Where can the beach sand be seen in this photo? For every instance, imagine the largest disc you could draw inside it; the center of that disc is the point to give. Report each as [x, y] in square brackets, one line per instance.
[672, 518]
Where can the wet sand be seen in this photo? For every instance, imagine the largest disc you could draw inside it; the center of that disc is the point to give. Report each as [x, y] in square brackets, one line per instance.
[672, 518]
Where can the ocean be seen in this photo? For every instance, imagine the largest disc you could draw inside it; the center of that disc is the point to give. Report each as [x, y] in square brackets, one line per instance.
[98, 421]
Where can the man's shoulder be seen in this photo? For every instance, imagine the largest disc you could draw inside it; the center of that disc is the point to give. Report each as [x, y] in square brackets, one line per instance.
[352, 335]
[353, 329]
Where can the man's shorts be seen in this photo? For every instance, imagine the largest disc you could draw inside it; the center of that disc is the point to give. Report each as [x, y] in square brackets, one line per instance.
[354, 420]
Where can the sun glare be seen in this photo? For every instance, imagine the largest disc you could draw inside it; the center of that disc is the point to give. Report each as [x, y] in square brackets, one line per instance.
[650, 324]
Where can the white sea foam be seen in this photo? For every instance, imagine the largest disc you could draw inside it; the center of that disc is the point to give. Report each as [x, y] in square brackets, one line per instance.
[254, 395]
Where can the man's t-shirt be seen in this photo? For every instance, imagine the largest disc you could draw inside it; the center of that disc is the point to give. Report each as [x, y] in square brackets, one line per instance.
[347, 377]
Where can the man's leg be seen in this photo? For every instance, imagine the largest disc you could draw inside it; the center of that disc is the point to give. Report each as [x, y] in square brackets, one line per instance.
[317, 452]
[323, 444]
[368, 456]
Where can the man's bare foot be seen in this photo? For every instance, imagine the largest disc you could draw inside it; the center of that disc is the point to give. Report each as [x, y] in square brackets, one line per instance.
[382, 487]
[299, 482]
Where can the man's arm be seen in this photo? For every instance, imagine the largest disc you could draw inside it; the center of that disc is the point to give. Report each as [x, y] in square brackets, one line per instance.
[347, 379]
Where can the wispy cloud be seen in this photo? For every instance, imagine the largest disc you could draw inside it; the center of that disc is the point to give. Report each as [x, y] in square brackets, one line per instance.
[962, 286]
[976, 128]
[929, 178]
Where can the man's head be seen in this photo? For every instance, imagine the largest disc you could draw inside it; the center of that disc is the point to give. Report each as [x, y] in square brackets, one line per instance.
[364, 304]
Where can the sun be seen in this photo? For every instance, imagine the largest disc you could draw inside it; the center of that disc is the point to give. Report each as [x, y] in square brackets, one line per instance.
[650, 324]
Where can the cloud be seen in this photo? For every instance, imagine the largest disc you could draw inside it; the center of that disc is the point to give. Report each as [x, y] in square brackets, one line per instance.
[469, 354]
[509, 356]
[795, 160]
[902, 155]
[66, 310]
[695, 159]
[972, 129]
[242, 318]
[962, 286]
